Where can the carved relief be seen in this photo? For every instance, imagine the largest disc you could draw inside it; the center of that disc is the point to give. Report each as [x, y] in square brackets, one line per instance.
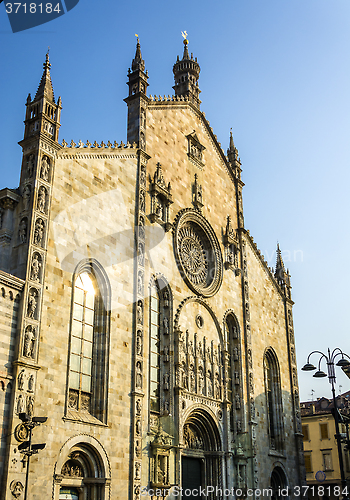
[41, 202]
[20, 380]
[192, 439]
[39, 232]
[139, 343]
[45, 168]
[26, 194]
[35, 266]
[142, 201]
[32, 303]
[30, 165]
[161, 199]
[22, 230]
[21, 404]
[29, 342]
[139, 375]
[16, 488]
[31, 381]
[140, 312]
[30, 405]
[72, 469]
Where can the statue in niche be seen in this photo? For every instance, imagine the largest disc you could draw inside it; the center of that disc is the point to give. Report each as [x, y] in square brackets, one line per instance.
[21, 404]
[45, 168]
[137, 471]
[30, 405]
[252, 408]
[239, 426]
[142, 228]
[250, 361]
[142, 201]
[166, 298]
[32, 303]
[138, 448]
[20, 380]
[209, 385]
[237, 380]
[158, 208]
[31, 383]
[192, 380]
[143, 175]
[138, 407]
[38, 232]
[166, 354]
[26, 196]
[142, 141]
[166, 326]
[184, 377]
[140, 254]
[217, 387]
[140, 312]
[251, 383]
[238, 401]
[166, 378]
[22, 231]
[41, 199]
[200, 381]
[166, 407]
[30, 166]
[139, 342]
[138, 427]
[139, 375]
[143, 118]
[235, 354]
[140, 283]
[35, 268]
[29, 342]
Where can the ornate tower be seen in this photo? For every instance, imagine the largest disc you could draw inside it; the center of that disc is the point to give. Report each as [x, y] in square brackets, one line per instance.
[137, 100]
[282, 276]
[186, 74]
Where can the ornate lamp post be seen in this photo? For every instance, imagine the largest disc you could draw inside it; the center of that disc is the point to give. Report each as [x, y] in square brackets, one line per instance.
[342, 362]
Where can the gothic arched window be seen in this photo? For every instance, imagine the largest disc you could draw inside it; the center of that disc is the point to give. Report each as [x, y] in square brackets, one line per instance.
[154, 350]
[273, 400]
[89, 343]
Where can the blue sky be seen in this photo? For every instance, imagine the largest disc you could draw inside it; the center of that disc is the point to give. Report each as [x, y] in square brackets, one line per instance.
[276, 71]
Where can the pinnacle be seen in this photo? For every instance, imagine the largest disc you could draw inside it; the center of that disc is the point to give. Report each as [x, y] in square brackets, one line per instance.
[45, 86]
[138, 62]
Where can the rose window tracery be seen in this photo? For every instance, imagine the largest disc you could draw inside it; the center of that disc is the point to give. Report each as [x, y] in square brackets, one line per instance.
[193, 255]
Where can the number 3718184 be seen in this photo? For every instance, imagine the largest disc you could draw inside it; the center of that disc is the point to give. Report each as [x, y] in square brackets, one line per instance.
[32, 8]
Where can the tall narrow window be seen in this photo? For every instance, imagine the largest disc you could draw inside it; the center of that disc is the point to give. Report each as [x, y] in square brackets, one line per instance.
[89, 344]
[324, 431]
[308, 462]
[155, 351]
[273, 400]
[82, 341]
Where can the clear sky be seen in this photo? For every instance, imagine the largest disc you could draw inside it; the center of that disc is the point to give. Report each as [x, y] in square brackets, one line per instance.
[276, 71]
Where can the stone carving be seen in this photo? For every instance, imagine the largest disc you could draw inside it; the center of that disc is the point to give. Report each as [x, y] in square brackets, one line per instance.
[251, 383]
[192, 379]
[35, 267]
[22, 231]
[166, 379]
[38, 232]
[200, 381]
[142, 201]
[238, 401]
[252, 408]
[140, 283]
[191, 438]
[217, 387]
[166, 354]
[41, 203]
[139, 375]
[138, 448]
[166, 298]
[30, 405]
[26, 194]
[32, 303]
[235, 354]
[141, 256]
[29, 342]
[139, 343]
[138, 407]
[85, 402]
[137, 471]
[45, 168]
[239, 426]
[166, 326]
[250, 361]
[143, 118]
[31, 383]
[21, 404]
[72, 469]
[142, 141]
[237, 378]
[166, 407]
[143, 175]
[30, 166]
[197, 199]
[209, 384]
[20, 380]
[193, 255]
[16, 488]
[140, 312]
[73, 400]
[138, 427]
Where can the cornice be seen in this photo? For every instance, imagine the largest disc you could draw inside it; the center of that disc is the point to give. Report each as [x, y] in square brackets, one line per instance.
[11, 281]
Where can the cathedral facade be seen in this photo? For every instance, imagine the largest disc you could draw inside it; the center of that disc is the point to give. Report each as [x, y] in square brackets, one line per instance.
[139, 315]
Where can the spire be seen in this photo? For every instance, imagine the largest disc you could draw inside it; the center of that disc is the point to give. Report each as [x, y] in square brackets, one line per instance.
[45, 86]
[138, 63]
[232, 154]
[186, 73]
[282, 276]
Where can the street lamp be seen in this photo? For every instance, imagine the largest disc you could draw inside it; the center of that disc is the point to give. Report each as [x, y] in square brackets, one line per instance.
[343, 363]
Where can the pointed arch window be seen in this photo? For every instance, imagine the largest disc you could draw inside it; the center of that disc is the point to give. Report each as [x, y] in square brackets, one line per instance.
[154, 350]
[273, 400]
[89, 345]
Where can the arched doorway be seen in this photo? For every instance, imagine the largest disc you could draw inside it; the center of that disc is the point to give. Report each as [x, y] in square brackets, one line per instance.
[82, 471]
[201, 456]
[278, 481]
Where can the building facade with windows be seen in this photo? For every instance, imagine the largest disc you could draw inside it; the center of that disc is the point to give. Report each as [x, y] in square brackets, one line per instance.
[320, 445]
[139, 315]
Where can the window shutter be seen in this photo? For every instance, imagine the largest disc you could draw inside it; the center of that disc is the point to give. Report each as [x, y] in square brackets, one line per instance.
[305, 432]
[324, 431]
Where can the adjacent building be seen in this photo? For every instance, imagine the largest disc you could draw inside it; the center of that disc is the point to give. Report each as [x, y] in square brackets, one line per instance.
[138, 313]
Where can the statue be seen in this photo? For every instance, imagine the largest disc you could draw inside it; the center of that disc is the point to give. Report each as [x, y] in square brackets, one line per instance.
[35, 268]
[22, 232]
[38, 232]
[45, 168]
[41, 199]
[32, 303]
[29, 342]
[20, 380]
[26, 196]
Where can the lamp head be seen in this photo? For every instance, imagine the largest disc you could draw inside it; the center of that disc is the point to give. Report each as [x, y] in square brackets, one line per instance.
[319, 374]
[343, 362]
[308, 367]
